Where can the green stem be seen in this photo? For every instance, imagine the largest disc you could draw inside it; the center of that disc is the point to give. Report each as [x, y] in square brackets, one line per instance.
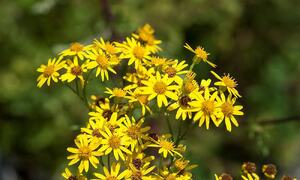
[108, 161]
[170, 127]
[101, 161]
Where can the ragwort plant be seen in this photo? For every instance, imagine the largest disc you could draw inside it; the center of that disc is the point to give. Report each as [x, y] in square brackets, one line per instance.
[115, 144]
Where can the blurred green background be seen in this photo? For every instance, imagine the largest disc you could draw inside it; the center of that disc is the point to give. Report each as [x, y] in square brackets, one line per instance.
[256, 41]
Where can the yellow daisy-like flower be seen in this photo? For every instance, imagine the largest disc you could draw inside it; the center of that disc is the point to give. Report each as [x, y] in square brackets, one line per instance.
[108, 47]
[146, 35]
[69, 176]
[175, 70]
[135, 132]
[76, 49]
[165, 147]
[74, 70]
[206, 108]
[134, 51]
[182, 106]
[85, 152]
[228, 82]
[49, 71]
[104, 110]
[94, 128]
[229, 110]
[100, 60]
[113, 174]
[116, 92]
[114, 142]
[160, 87]
[200, 54]
[269, 171]
[141, 99]
[252, 176]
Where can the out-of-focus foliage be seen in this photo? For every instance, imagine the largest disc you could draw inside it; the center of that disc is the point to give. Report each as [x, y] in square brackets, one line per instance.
[256, 41]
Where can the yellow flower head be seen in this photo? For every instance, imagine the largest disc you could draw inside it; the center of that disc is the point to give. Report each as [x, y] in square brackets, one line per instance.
[200, 54]
[76, 49]
[68, 175]
[74, 70]
[206, 108]
[228, 82]
[175, 70]
[228, 111]
[114, 142]
[134, 51]
[224, 176]
[49, 71]
[102, 62]
[165, 147]
[269, 171]
[116, 92]
[108, 47]
[182, 106]
[85, 153]
[160, 87]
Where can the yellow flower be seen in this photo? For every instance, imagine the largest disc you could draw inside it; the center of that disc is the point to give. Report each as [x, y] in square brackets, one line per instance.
[165, 147]
[141, 99]
[139, 165]
[206, 108]
[94, 128]
[134, 51]
[229, 110]
[69, 176]
[100, 60]
[200, 54]
[49, 71]
[228, 82]
[160, 87]
[85, 152]
[141, 73]
[116, 92]
[113, 174]
[269, 171]
[146, 35]
[182, 106]
[252, 176]
[108, 47]
[76, 49]
[104, 110]
[114, 142]
[74, 70]
[135, 132]
[175, 70]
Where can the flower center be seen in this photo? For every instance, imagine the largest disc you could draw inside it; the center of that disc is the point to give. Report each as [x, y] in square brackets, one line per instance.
[200, 53]
[179, 164]
[249, 167]
[189, 86]
[270, 170]
[208, 107]
[118, 92]
[137, 163]
[227, 109]
[77, 47]
[170, 71]
[76, 70]
[228, 81]
[114, 142]
[160, 87]
[49, 70]
[102, 61]
[166, 145]
[156, 61]
[139, 52]
[133, 132]
[72, 177]
[107, 114]
[110, 48]
[184, 101]
[84, 152]
[143, 99]
[96, 133]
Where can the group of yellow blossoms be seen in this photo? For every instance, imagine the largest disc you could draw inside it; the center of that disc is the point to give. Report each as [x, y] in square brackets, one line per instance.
[115, 136]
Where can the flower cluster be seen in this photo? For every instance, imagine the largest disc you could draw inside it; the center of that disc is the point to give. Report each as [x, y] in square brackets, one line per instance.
[249, 172]
[152, 86]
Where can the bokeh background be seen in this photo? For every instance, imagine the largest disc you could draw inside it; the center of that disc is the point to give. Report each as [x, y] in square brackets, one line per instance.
[256, 41]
